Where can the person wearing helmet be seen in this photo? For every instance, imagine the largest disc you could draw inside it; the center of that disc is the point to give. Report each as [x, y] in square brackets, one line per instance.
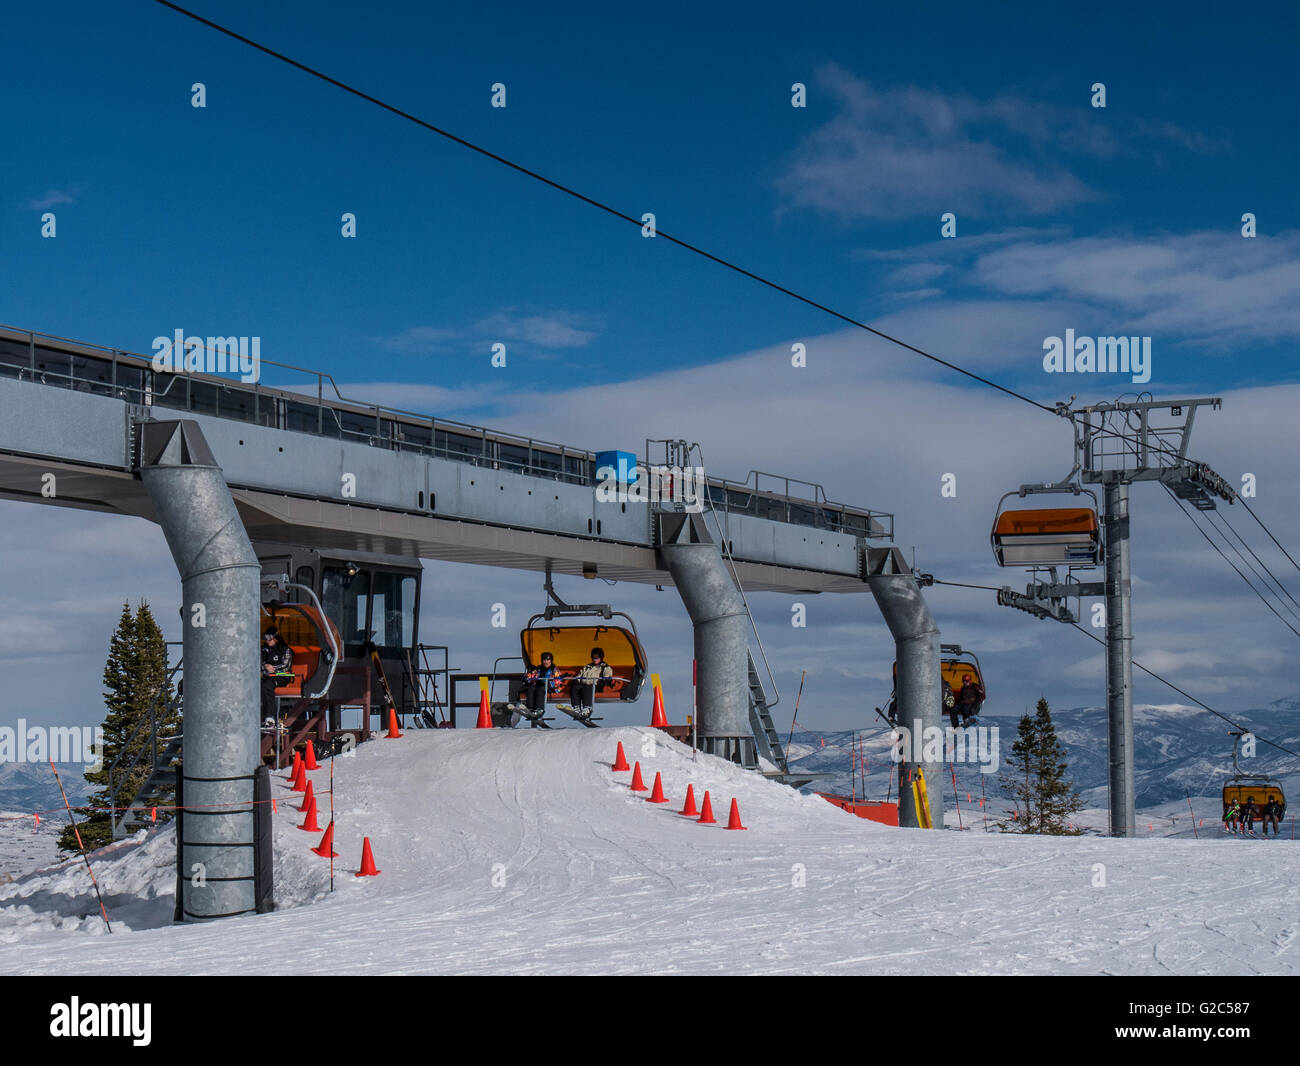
[542, 680]
[970, 698]
[582, 693]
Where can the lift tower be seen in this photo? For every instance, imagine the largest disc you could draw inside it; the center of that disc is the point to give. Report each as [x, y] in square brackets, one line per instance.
[1115, 445]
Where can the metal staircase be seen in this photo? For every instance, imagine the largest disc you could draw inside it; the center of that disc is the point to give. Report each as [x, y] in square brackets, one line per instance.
[760, 721]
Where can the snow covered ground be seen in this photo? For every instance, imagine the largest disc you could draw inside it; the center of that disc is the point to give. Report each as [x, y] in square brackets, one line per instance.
[521, 852]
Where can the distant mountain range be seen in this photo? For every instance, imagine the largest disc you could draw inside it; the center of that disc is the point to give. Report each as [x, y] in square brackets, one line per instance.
[26, 787]
[1179, 750]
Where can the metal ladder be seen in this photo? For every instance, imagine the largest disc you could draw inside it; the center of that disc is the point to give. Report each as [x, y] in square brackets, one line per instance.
[760, 721]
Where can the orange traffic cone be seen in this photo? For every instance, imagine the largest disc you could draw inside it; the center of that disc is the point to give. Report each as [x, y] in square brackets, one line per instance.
[310, 760]
[367, 861]
[308, 798]
[300, 780]
[706, 814]
[325, 849]
[657, 795]
[309, 823]
[689, 810]
[733, 822]
[637, 784]
[620, 760]
[297, 761]
[393, 732]
[658, 719]
[484, 713]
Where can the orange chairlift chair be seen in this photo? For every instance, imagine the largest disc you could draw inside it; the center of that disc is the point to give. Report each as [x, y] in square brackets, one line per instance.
[1047, 536]
[1242, 786]
[314, 639]
[570, 647]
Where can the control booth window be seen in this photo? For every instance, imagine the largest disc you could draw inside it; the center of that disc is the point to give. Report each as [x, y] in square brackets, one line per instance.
[393, 610]
[346, 598]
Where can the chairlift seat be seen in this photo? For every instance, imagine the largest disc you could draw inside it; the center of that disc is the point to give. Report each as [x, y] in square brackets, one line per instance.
[570, 648]
[1053, 536]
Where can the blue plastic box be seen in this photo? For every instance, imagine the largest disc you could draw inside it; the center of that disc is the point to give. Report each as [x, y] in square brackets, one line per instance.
[622, 463]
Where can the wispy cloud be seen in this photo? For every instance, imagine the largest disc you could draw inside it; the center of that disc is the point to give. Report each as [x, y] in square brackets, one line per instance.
[52, 198]
[417, 340]
[554, 330]
[907, 151]
[542, 332]
[1209, 285]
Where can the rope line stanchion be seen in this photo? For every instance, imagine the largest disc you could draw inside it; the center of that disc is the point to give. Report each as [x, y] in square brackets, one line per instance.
[81, 847]
[956, 798]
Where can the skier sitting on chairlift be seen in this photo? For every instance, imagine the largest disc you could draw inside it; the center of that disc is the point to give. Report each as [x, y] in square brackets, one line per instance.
[1272, 816]
[538, 684]
[970, 698]
[1248, 815]
[582, 692]
[1231, 815]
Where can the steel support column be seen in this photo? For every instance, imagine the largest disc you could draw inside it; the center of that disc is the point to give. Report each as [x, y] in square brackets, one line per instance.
[721, 625]
[919, 689]
[1119, 660]
[220, 578]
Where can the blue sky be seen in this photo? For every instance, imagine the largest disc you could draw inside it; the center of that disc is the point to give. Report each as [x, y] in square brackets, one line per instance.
[1123, 220]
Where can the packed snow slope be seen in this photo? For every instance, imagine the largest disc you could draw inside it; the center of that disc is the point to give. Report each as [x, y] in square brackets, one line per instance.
[522, 852]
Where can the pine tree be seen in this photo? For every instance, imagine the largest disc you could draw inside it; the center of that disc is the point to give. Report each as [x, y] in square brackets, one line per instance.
[1042, 794]
[134, 675]
[1056, 796]
[1019, 784]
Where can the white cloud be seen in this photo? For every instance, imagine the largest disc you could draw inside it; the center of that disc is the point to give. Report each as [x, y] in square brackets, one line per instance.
[908, 151]
[1209, 285]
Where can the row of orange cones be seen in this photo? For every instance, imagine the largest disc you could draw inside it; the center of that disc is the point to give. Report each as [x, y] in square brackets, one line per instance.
[325, 849]
[704, 815]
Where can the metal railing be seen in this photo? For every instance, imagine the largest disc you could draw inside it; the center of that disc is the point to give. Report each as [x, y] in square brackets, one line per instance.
[320, 408]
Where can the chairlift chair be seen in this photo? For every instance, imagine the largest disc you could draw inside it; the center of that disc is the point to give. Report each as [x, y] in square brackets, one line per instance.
[314, 639]
[954, 664]
[1243, 786]
[570, 647]
[1047, 536]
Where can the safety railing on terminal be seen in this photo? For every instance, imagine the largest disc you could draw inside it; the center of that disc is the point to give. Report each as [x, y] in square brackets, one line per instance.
[319, 407]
